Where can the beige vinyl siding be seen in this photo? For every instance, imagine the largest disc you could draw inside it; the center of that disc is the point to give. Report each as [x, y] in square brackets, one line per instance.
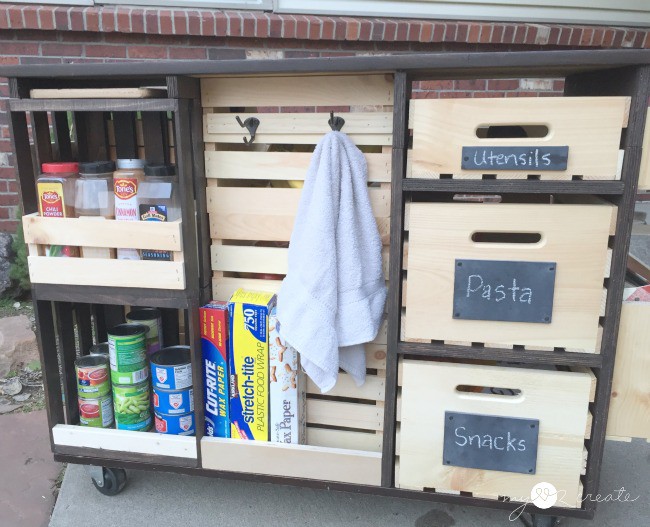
[602, 12]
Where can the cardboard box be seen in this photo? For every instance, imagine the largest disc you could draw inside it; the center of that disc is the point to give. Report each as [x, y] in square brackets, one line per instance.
[249, 364]
[214, 347]
[286, 390]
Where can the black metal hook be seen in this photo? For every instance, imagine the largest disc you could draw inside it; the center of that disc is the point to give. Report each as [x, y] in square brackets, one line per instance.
[251, 124]
[336, 123]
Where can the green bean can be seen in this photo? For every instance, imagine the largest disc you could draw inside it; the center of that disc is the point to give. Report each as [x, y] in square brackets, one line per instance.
[128, 354]
[132, 404]
[152, 318]
[96, 412]
[92, 376]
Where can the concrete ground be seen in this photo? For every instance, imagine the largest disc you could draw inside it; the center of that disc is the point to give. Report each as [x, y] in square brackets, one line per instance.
[27, 469]
[171, 500]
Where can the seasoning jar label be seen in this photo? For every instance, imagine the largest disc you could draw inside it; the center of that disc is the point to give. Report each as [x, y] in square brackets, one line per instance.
[126, 203]
[154, 213]
[50, 198]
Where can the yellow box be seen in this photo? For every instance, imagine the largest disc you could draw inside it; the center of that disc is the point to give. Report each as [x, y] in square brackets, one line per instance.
[249, 364]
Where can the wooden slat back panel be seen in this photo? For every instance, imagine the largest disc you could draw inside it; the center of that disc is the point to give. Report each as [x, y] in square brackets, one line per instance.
[442, 127]
[644, 173]
[315, 90]
[252, 199]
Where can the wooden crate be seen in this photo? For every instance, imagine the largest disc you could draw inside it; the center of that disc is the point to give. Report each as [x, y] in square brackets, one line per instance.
[559, 400]
[644, 171]
[441, 128]
[574, 236]
[629, 412]
[96, 237]
[252, 198]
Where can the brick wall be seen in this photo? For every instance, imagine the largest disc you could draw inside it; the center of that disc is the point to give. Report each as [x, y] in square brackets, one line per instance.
[32, 34]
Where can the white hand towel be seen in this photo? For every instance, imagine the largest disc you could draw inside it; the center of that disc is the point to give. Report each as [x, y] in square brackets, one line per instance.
[332, 299]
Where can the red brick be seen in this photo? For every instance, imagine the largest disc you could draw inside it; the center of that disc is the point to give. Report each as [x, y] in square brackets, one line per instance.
[597, 38]
[8, 61]
[402, 31]
[353, 29]
[207, 23]
[12, 186]
[488, 94]
[474, 33]
[263, 26]
[235, 24]
[608, 39]
[15, 17]
[19, 48]
[455, 94]
[497, 33]
[565, 36]
[425, 95]
[221, 24]
[4, 214]
[487, 34]
[365, 31]
[520, 35]
[188, 53]
[640, 38]
[646, 42]
[508, 34]
[576, 35]
[587, 36]
[378, 28]
[4, 92]
[415, 28]
[180, 22]
[123, 21]
[8, 199]
[9, 225]
[61, 50]
[628, 39]
[4, 19]
[193, 23]
[7, 173]
[91, 14]
[472, 84]
[426, 34]
[503, 84]
[137, 20]
[76, 19]
[438, 32]
[107, 20]
[554, 36]
[289, 27]
[102, 50]
[390, 30]
[166, 27]
[558, 85]
[147, 52]
[30, 14]
[151, 21]
[437, 85]
[462, 32]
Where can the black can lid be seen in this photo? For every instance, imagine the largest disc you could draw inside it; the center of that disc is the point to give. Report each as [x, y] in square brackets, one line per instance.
[96, 167]
[160, 170]
[172, 356]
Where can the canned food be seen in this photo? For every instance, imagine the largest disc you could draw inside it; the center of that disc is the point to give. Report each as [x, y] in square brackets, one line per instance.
[171, 368]
[100, 349]
[132, 406]
[127, 349]
[92, 376]
[96, 412]
[152, 318]
[180, 425]
[173, 402]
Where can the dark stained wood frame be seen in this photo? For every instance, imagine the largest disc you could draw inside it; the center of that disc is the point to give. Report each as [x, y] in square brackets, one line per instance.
[597, 72]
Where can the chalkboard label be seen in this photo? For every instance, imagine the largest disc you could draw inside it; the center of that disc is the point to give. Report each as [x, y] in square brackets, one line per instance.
[490, 442]
[504, 290]
[527, 158]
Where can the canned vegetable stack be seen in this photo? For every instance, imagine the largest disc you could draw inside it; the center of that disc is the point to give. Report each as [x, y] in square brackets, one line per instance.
[94, 391]
[152, 318]
[130, 376]
[173, 402]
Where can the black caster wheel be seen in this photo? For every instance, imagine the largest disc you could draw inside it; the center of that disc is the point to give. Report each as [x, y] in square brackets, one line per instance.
[544, 521]
[112, 482]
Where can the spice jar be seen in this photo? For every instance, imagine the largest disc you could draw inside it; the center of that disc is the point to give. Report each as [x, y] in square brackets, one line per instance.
[56, 190]
[126, 184]
[159, 202]
[94, 189]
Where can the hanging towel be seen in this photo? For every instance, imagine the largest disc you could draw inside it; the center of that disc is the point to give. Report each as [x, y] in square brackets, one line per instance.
[332, 298]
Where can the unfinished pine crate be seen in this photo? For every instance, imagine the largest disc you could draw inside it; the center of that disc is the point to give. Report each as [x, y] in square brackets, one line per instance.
[252, 195]
[573, 238]
[590, 127]
[559, 400]
[96, 237]
[644, 172]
